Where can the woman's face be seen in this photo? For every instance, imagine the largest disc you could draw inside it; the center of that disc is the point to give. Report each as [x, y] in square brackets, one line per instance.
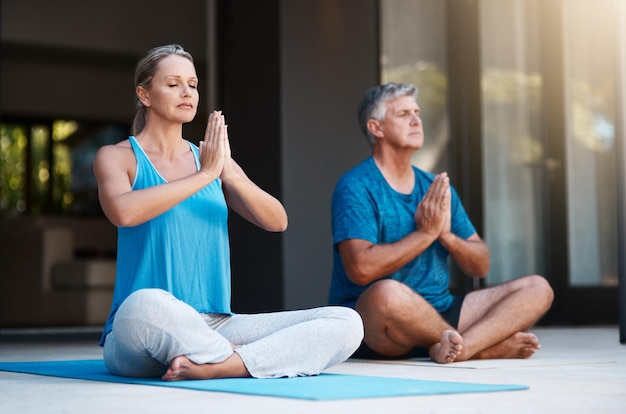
[173, 91]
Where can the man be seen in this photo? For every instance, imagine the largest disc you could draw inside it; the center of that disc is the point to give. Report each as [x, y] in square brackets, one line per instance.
[394, 227]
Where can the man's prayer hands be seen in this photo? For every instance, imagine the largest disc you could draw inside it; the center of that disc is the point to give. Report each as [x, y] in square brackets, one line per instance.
[433, 213]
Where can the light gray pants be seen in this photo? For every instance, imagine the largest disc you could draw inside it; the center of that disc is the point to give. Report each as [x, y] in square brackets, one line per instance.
[152, 327]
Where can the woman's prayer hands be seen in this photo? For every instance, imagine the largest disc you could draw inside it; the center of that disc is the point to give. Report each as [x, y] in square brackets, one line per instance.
[215, 148]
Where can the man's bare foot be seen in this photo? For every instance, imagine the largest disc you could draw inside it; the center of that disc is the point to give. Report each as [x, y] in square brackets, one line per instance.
[519, 345]
[448, 349]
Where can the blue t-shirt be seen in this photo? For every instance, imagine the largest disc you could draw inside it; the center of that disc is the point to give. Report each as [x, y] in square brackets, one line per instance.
[364, 206]
[184, 251]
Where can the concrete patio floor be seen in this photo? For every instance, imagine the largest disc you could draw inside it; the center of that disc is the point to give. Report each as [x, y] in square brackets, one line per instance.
[578, 370]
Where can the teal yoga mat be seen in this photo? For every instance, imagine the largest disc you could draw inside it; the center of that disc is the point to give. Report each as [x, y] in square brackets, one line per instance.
[320, 387]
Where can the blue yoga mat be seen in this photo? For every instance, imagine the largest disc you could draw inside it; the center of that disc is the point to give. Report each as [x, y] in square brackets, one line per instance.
[320, 387]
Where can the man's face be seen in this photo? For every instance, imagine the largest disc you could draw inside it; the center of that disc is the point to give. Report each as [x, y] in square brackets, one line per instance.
[402, 127]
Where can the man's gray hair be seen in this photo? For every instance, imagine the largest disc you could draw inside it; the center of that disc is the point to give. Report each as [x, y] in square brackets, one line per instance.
[374, 103]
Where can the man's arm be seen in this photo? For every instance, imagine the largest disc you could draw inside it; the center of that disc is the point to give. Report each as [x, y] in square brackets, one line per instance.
[366, 262]
[471, 254]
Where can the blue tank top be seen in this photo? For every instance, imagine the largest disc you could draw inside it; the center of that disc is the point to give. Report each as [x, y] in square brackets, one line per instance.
[184, 251]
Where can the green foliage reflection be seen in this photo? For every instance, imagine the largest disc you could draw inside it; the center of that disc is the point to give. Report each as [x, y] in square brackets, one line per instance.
[13, 142]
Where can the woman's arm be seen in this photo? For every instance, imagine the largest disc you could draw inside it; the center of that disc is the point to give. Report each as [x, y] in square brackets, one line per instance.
[251, 202]
[114, 168]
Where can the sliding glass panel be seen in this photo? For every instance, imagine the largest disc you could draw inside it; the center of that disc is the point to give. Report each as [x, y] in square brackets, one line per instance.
[413, 43]
[513, 150]
[47, 167]
[590, 84]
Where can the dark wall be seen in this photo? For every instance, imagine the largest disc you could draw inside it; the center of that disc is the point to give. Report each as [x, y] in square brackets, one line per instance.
[249, 73]
[71, 58]
[329, 57]
[291, 77]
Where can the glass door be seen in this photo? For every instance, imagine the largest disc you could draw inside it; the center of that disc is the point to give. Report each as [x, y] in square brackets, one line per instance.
[521, 104]
[549, 76]
[413, 50]
[513, 147]
[590, 112]
[590, 81]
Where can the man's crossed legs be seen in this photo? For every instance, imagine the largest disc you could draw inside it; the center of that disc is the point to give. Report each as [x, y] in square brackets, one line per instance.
[493, 322]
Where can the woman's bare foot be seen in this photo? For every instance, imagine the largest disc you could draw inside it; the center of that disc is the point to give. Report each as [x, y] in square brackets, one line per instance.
[448, 349]
[181, 368]
[519, 345]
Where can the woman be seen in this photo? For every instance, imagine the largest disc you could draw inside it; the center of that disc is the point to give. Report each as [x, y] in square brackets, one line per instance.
[171, 314]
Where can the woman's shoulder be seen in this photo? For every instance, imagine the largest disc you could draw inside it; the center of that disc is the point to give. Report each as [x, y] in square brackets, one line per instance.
[119, 147]
[118, 152]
